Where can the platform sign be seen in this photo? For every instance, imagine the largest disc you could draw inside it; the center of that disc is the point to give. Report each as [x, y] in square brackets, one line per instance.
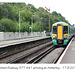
[19, 27]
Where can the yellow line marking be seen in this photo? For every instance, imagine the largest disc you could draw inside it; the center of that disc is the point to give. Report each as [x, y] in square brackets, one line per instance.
[21, 41]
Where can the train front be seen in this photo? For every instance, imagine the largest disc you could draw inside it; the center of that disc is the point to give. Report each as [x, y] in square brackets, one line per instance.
[60, 33]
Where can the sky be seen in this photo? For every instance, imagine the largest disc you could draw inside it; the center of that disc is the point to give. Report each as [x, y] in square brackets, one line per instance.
[65, 7]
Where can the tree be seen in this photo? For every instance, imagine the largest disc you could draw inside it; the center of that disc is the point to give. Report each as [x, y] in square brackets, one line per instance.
[25, 27]
[7, 25]
[9, 17]
[36, 27]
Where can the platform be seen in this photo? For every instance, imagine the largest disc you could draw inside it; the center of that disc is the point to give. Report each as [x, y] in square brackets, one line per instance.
[68, 56]
[18, 41]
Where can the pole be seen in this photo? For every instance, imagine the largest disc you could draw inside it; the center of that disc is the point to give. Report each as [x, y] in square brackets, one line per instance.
[32, 23]
[49, 20]
[19, 24]
[39, 25]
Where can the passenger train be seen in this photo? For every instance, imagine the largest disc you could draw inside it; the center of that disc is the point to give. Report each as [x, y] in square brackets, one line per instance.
[61, 33]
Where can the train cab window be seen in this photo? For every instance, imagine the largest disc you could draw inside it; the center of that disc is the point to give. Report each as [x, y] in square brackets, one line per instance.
[65, 29]
[54, 30]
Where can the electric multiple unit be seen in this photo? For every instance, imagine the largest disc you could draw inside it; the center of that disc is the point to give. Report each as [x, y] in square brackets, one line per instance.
[61, 33]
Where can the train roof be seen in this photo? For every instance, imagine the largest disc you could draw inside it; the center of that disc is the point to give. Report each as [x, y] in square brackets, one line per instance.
[60, 23]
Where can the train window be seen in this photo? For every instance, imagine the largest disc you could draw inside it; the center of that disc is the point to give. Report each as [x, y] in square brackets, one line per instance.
[54, 30]
[65, 29]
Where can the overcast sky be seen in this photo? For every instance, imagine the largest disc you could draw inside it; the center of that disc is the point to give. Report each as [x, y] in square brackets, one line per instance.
[65, 7]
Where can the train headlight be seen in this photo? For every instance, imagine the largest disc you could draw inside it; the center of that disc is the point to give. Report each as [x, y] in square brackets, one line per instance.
[66, 36]
[54, 36]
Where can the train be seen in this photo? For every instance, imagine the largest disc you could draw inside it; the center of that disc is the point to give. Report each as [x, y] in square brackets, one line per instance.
[61, 32]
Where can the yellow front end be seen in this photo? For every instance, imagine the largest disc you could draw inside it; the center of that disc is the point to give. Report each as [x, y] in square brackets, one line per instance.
[60, 34]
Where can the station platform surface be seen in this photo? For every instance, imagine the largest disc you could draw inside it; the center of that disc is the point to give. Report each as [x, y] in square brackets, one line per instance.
[18, 41]
[68, 56]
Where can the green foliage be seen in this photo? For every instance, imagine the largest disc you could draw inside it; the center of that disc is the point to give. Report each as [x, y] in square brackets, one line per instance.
[36, 27]
[7, 25]
[58, 17]
[25, 27]
[9, 18]
[33, 9]
[25, 16]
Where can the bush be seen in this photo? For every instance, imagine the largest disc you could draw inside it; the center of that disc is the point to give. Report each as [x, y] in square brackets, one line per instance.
[7, 25]
[25, 27]
[36, 27]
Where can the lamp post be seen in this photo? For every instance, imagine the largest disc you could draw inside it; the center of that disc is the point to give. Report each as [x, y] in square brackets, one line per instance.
[39, 24]
[19, 23]
[32, 21]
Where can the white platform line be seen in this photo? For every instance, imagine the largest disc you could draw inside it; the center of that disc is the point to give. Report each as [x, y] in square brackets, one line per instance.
[64, 52]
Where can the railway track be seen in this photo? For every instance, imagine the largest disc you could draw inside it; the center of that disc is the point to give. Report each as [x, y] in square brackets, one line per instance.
[30, 55]
[41, 55]
[34, 54]
[7, 56]
[16, 48]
